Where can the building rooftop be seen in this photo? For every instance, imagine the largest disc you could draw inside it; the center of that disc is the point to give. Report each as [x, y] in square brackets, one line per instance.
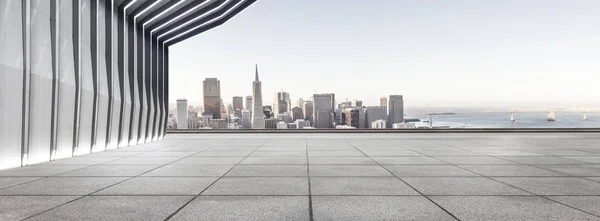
[417, 176]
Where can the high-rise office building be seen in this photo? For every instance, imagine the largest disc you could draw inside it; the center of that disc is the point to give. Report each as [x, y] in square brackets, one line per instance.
[258, 121]
[238, 106]
[396, 110]
[354, 117]
[297, 113]
[246, 119]
[383, 101]
[249, 103]
[375, 113]
[212, 97]
[282, 102]
[182, 114]
[308, 111]
[300, 103]
[285, 117]
[323, 105]
[356, 103]
[271, 123]
[268, 111]
[301, 124]
[192, 118]
[344, 104]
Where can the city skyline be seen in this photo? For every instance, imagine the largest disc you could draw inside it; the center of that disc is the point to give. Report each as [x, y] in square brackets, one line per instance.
[436, 56]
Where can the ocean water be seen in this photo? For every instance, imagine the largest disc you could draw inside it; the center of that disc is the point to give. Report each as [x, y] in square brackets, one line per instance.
[522, 120]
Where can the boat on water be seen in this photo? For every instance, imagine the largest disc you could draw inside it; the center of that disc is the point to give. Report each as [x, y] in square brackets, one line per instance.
[551, 116]
[512, 115]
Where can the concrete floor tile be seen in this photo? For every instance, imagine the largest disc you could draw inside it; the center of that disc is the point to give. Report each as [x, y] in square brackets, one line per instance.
[474, 160]
[274, 160]
[359, 186]
[348, 170]
[190, 170]
[269, 170]
[209, 160]
[428, 170]
[407, 160]
[509, 170]
[116, 208]
[585, 203]
[461, 186]
[160, 186]
[111, 170]
[11, 181]
[508, 208]
[272, 186]
[376, 208]
[246, 208]
[554, 185]
[340, 160]
[62, 186]
[21, 207]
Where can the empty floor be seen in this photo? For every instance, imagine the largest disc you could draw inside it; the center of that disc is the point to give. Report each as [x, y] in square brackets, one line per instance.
[495, 176]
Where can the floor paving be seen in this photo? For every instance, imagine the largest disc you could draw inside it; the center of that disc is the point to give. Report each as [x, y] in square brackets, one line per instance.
[386, 176]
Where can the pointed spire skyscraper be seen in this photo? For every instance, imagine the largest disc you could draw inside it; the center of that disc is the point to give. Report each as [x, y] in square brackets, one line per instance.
[258, 119]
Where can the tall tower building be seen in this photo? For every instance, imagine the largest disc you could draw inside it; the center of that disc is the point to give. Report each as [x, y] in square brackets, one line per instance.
[238, 106]
[249, 103]
[300, 103]
[308, 111]
[258, 121]
[212, 97]
[323, 105]
[282, 102]
[383, 102]
[396, 110]
[182, 114]
[375, 113]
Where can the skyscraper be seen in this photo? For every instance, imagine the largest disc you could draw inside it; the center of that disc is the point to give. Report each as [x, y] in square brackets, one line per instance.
[238, 106]
[212, 97]
[375, 113]
[323, 105]
[308, 111]
[300, 103]
[282, 102]
[383, 101]
[258, 121]
[396, 110]
[246, 119]
[356, 103]
[182, 114]
[249, 103]
[297, 113]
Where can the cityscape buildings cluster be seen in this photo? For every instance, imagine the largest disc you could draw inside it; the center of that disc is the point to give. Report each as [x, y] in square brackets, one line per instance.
[317, 112]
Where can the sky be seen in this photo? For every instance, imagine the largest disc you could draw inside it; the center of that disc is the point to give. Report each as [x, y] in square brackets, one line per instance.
[440, 53]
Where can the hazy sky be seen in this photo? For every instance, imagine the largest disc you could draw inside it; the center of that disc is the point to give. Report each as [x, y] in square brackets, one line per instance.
[507, 53]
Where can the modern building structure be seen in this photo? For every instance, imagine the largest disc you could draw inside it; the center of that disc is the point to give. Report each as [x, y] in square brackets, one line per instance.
[301, 124]
[285, 117]
[268, 111]
[375, 113]
[218, 123]
[282, 125]
[192, 117]
[182, 114]
[85, 76]
[297, 113]
[249, 103]
[206, 118]
[271, 123]
[395, 110]
[300, 103]
[354, 117]
[282, 103]
[308, 111]
[246, 119]
[212, 97]
[379, 124]
[258, 121]
[383, 102]
[356, 103]
[238, 106]
[323, 110]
